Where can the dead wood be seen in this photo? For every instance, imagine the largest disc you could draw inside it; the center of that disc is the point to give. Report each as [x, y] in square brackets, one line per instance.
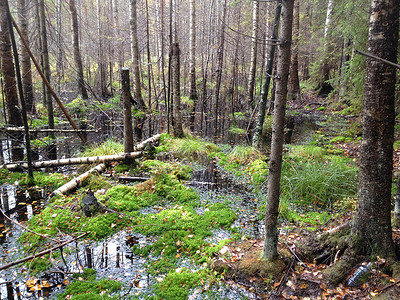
[44, 130]
[17, 262]
[73, 161]
[77, 181]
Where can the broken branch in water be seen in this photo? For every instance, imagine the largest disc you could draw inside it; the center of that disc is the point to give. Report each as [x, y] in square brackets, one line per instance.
[19, 261]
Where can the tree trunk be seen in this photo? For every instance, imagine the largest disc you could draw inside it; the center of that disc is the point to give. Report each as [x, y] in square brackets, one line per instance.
[253, 59]
[102, 66]
[270, 250]
[126, 100]
[192, 68]
[326, 61]
[257, 138]
[372, 225]
[25, 60]
[175, 55]
[77, 52]
[137, 88]
[218, 72]
[294, 85]
[10, 84]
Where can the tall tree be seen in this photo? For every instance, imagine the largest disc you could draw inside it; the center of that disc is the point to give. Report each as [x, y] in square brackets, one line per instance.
[294, 84]
[192, 61]
[218, 70]
[257, 138]
[372, 224]
[101, 58]
[140, 106]
[253, 58]
[270, 250]
[177, 115]
[14, 117]
[23, 18]
[77, 52]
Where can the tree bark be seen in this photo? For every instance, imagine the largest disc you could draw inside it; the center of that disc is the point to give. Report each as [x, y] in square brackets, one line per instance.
[257, 138]
[52, 149]
[218, 72]
[294, 85]
[192, 61]
[270, 250]
[372, 222]
[253, 58]
[177, 123]
[140, 106]
[77, 52]
[126, 100]
[23, 17]
[10, 84]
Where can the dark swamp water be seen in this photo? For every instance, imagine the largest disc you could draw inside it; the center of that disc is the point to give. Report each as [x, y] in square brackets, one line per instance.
[113, 258]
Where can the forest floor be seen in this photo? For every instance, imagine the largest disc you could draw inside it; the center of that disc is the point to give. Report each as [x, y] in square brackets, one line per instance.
[173, 241]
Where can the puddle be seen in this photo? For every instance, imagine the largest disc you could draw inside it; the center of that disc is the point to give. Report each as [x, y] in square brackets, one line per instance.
[113, 257]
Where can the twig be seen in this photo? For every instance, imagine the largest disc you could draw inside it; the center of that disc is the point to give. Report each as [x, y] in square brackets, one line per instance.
[25, 228]
[17, 262]
[378, 58]
[387, 287]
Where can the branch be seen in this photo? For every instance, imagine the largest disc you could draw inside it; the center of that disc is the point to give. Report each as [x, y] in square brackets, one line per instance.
[378, 58]
[17, 262]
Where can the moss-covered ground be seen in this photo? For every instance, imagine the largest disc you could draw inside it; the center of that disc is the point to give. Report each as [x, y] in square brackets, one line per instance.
[190, 238]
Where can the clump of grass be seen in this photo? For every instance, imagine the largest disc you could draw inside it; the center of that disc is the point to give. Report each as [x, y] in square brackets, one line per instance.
[109, 147]
[244, 155]
[306, 151]
[192, 148]
[319, 182]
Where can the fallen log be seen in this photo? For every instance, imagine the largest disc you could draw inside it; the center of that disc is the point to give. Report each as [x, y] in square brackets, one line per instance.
[86, 160]
[77, 181]
[73, 161]
[44, 130]
[17, 262]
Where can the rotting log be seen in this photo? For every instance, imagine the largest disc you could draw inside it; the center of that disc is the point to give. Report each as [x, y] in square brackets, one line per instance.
[86, 160]
[73, 161]
[77, 181]
[44, 130]
[17, 262]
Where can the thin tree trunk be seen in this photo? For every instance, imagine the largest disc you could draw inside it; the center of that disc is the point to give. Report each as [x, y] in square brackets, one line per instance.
[253, 59]
[192, 63]
[126, 100]
[149, 66]
[218, 72]
[77, 52]
[10, 85]
[175, 55]
[371, 227]
[101, 53]
[59, 64]
[23, 17]
[294, 84]
[270, 250]
[257, 138]
[140, 106]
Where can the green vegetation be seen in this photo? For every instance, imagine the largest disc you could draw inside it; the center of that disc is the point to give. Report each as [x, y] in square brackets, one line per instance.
[86, 286]
[109, 147]
[41, 179]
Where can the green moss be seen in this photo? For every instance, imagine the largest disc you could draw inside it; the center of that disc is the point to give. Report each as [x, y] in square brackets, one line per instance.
[177, 284]
[96, 182]
[85, 286]
[258, 171]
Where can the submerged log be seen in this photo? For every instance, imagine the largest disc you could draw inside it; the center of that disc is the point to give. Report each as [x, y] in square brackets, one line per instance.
[77, 181]
[87, 160]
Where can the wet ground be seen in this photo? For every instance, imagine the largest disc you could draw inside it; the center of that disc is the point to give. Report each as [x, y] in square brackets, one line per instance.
[113, 258]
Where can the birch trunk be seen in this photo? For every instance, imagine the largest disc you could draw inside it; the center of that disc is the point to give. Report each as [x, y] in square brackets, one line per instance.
[253, 59]
[137, 89]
